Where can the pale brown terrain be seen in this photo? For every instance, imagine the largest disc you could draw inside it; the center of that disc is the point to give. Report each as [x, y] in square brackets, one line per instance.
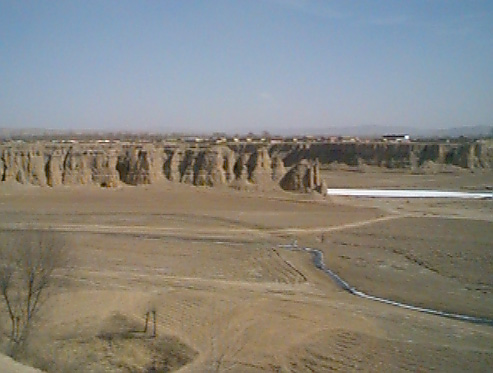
[228, 298]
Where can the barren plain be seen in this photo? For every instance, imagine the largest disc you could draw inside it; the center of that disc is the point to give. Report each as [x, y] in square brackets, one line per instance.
[229, 298]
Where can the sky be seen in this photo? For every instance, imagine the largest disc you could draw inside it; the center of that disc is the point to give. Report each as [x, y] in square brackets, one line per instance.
[245, 65]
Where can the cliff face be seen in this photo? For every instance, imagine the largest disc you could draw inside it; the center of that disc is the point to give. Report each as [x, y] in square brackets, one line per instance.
[139, 165]
[390, 155]
[304, 177]
[292, 167]
[76, 167]
[26, 165]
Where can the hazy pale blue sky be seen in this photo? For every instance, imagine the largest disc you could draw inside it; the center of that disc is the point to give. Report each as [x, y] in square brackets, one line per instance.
[245, 65]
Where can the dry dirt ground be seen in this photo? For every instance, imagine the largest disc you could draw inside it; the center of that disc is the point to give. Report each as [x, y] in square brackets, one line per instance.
[228, 298]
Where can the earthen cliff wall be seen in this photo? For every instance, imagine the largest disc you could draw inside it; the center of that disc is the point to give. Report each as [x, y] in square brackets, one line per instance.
[286, 165]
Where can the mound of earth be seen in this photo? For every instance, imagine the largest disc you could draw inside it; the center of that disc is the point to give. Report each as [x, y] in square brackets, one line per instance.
[120, 345]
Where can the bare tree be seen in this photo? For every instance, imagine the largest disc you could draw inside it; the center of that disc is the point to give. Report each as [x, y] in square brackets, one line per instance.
[27, 262]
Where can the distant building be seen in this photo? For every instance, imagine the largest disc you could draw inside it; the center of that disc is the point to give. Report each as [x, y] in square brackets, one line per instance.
[221, 140]
[396, 138]
[192, 139]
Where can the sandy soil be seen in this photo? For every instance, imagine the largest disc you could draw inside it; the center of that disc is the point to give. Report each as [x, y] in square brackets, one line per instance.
[10, 366]
[208, 261]
[440, 263]
[374, 177]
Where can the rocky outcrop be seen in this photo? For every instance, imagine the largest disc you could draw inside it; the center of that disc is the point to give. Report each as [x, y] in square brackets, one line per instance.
[241, 171]
[278, 169]
[54, 168]
[76, 167]
[104, 168]
[140, 165]
[260, 167]
[172, 166]
[187, 168]
[229, 165]
[201, 167]
[25, 166]
[210, 168]
[35, 166]
[303, 177]
[10, 166]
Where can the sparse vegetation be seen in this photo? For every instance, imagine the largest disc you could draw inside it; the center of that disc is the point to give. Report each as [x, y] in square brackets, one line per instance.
[27, 263]
[120, 345]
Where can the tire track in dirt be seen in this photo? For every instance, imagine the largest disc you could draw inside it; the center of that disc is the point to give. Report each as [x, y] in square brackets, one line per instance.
[342, 350]
[338, 227]
[211, 233]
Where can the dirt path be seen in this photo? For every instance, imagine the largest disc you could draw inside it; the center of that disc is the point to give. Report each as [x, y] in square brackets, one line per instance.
[177, 231]
[195, 282]
[338, 227]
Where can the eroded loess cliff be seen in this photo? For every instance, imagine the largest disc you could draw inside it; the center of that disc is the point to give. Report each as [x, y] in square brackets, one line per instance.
[390, 155]
[291, 167]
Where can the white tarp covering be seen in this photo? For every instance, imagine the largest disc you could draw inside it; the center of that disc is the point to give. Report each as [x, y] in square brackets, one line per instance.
[407, 193]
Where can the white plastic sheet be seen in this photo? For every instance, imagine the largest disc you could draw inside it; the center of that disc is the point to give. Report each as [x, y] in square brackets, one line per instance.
[407, 193]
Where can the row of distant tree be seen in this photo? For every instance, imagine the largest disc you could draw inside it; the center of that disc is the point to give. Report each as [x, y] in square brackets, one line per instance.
[152, 137]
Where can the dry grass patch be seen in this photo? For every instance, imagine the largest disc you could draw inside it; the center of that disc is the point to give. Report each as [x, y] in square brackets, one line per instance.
[120, 345]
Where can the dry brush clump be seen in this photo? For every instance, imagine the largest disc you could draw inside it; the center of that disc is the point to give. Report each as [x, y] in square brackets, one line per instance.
[118, 343]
